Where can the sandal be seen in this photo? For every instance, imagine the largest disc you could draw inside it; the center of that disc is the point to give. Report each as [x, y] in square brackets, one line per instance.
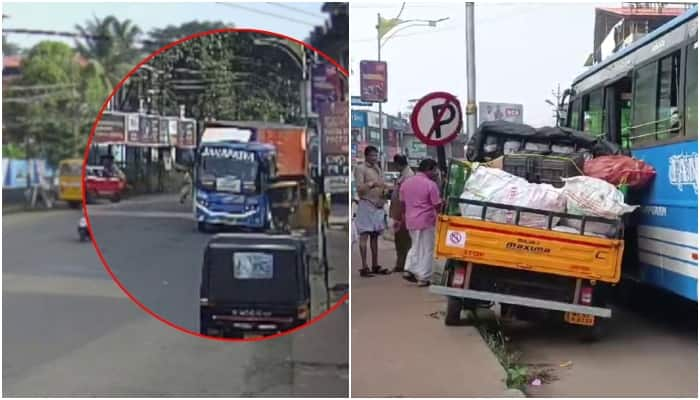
[366, 273]
[409, 277]
[378, 270]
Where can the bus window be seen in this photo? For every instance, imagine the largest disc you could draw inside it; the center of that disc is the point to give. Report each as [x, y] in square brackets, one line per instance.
[593, 112]
[574, 120]
[691, 91]
[644, 105]
[667, 113]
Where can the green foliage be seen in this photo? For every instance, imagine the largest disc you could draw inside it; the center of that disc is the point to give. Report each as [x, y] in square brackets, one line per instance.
[59, 99]
[111, 44]
[13, 151]
[227, 75]
[163, 36]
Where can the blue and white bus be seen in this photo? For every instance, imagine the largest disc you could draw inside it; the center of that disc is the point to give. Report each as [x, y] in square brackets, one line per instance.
[645, 98]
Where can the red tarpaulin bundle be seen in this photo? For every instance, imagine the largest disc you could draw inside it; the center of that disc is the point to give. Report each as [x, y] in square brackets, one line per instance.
[619, 170]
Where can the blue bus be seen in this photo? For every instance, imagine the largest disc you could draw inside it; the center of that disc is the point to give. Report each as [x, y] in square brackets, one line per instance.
[231, 181]
[645, 98]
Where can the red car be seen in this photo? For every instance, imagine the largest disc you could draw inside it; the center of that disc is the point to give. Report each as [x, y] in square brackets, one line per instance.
[99, 184]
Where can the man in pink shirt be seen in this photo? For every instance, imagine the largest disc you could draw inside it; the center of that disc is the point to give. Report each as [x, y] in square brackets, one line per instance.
[420, 198]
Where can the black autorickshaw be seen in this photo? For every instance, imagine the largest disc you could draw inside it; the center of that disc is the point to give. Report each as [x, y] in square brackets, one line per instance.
[254, 285]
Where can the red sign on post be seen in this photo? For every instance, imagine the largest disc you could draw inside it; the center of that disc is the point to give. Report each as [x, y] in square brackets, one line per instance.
[437, 118]
[373, 81]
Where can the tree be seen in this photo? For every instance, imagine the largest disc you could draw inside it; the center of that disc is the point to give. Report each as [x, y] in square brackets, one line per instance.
[59, 100]
[224, 76]
[163, 36]
[111, 44]
[9, 48]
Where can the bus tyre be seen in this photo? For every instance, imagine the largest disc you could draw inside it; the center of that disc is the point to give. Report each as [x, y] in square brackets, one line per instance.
[203, 227]
[453, 315]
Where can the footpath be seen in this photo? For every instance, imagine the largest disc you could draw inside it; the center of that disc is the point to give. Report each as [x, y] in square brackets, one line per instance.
[401, 347]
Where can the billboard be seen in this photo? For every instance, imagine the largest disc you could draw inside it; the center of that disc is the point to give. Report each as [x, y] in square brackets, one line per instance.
[111, 129]
[500, 112]
[186, 134]
[373, 81]
[335, 149]
[359, 119]
[325, 84]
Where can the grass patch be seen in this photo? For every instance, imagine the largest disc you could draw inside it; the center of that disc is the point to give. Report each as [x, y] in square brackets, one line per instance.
[518, 375]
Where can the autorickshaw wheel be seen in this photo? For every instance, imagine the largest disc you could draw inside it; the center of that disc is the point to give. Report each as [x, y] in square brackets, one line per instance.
[116, 198]
[453, 315]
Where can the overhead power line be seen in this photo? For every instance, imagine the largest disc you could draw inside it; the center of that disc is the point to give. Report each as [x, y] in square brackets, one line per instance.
[296, 10]
[267, 13]
[368, 39]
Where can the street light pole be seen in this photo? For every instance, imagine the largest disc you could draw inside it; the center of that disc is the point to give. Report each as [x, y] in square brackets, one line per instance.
[471, 71]
[382, 156]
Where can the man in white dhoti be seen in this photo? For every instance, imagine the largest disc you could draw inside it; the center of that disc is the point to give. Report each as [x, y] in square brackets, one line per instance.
[420, 198]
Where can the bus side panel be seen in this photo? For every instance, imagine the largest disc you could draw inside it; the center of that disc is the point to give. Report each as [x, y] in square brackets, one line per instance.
[668, 225]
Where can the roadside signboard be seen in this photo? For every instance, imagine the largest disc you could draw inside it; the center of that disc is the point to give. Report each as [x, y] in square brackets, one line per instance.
[325, 82]
[500, 112]
[111, 129]
[373, 81]
[186, 134]
[437, 119]
[335, 148]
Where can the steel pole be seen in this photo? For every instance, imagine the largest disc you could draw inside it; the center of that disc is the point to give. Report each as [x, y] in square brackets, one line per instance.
[471, 71]
[382, 158]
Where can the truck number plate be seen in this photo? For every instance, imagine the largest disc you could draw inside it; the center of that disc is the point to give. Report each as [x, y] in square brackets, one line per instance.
[579, 319]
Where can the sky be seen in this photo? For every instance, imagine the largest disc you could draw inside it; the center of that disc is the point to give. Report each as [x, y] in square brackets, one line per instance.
[522, 51]
[64, 16]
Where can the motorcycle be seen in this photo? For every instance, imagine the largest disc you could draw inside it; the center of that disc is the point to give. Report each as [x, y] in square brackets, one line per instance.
[83, 231]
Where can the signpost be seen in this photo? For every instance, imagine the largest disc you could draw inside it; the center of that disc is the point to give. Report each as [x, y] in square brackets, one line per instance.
[436, 121]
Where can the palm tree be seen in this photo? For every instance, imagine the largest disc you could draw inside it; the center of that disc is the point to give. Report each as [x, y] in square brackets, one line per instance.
[110, 43]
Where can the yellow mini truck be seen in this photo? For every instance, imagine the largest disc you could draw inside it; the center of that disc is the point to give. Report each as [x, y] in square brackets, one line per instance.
[531, 272]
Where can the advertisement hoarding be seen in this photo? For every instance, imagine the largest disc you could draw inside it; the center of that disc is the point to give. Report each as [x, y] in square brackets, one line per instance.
[500, 112]
[373, 81]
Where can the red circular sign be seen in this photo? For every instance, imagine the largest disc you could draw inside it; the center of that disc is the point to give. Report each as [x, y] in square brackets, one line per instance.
[437, 118]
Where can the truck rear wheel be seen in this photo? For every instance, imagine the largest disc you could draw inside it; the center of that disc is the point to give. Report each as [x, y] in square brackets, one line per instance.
[453, 315]
[596, 332]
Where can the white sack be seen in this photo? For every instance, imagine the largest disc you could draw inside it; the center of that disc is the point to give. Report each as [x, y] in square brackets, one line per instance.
[497, 186]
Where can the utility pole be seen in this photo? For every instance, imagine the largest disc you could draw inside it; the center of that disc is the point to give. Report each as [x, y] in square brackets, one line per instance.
[382, 158]
[471, 71]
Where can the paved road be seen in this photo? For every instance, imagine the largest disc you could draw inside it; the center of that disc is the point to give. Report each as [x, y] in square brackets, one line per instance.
[650, 351]
[69, 330]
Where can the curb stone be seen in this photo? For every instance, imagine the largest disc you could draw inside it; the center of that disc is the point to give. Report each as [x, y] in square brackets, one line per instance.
[514, 393]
